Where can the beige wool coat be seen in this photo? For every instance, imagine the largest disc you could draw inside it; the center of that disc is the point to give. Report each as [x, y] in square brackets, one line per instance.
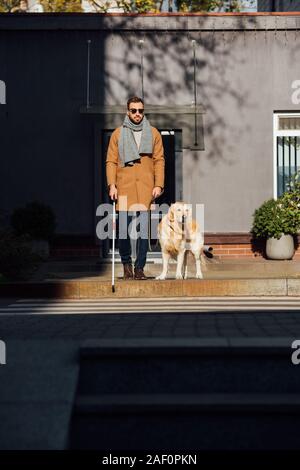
[135, 183]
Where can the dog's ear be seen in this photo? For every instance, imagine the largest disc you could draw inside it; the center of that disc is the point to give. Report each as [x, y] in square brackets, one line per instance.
[171, 214]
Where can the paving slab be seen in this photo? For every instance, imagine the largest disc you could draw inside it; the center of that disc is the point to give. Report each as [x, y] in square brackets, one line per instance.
[38, 386]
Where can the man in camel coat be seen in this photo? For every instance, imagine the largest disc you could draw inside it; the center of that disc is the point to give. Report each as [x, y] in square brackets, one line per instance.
[135, 167]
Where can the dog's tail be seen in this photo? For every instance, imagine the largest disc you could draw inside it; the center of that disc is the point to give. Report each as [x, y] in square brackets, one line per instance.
[208, 251]
[205, 255]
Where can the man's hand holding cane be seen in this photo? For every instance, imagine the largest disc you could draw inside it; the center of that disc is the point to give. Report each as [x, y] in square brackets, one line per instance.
[156, 192]
[113, 192]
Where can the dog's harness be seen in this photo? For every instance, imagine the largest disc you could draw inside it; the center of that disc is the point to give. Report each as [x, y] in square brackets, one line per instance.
[182, 231]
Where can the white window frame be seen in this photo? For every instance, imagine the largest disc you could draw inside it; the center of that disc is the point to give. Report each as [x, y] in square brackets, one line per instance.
[277, 133]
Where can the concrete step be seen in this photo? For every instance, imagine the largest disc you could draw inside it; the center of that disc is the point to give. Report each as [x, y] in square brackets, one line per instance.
[169, 366]
[114, 403]
[186, 422]
[98, 288]
[186, 394]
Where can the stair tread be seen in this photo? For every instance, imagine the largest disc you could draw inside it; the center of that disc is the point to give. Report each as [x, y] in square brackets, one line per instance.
[173, 345]
[286, 400]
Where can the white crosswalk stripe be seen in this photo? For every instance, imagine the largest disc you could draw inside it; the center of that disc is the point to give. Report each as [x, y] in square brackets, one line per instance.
[146, 305]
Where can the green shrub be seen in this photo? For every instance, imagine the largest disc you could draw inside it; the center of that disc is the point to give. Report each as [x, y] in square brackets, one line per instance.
[35, 219]
[16, 258]
[276, 217]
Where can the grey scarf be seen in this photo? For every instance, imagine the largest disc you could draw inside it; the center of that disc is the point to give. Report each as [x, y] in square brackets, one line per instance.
[128, 150]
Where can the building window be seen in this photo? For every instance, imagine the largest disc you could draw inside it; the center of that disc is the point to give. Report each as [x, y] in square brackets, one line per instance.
[286, 150]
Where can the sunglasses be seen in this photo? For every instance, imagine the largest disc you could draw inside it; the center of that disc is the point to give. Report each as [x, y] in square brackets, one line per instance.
[133, 111]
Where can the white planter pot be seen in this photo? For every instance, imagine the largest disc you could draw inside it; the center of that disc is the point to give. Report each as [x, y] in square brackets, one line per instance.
[283, 248]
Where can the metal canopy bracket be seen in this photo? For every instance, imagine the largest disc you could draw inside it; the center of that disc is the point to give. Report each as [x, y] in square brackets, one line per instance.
[189, 119]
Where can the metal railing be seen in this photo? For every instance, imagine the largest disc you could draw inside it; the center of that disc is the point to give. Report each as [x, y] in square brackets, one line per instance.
[288, 161]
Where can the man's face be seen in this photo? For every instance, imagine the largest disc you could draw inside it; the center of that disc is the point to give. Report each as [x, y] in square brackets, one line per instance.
[136, 112]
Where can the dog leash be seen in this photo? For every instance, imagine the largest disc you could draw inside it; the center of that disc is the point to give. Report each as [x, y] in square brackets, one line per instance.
[149, 231]
[113, 247]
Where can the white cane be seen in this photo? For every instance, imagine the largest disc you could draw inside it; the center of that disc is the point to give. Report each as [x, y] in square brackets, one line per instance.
[113, 247]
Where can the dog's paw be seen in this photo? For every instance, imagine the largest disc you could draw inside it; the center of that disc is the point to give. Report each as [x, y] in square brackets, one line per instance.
[199, 276]
[179, 276]
[160, 277]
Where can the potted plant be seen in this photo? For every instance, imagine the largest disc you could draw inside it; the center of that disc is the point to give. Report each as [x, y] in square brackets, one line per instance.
[16, 258]
[38, 221]
[277, 221]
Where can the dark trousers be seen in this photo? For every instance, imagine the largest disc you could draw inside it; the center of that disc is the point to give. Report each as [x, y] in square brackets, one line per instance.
[125, 218]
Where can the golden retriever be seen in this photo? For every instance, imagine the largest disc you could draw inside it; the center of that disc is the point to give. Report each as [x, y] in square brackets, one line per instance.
[178, 233]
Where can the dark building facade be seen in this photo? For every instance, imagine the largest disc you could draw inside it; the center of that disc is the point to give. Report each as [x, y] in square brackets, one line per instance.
[65, 80]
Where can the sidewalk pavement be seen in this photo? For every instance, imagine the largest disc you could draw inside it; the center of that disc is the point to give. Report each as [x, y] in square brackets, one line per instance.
[38, 382]
[214, 268]
[91, 278]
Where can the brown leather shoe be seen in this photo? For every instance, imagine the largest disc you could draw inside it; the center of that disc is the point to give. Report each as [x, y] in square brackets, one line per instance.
[139, 274]
[128, 274]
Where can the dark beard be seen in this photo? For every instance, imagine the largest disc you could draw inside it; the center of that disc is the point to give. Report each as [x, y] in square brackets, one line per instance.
[134, 121]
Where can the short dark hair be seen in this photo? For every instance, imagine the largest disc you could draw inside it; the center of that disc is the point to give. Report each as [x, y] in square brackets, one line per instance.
[134, 99]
